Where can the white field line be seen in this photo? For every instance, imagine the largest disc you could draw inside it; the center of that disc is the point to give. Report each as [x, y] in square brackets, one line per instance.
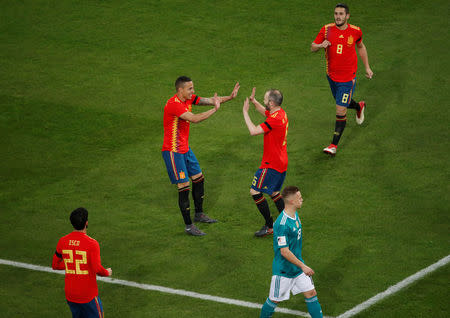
[161, 289]
[395, 288]
[349, 313]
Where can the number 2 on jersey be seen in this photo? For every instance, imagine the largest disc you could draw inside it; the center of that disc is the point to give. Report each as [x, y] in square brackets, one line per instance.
[69, 260]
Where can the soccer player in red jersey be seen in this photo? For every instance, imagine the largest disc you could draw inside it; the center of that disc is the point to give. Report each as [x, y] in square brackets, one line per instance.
[79, 255]
[338, 40]
[180, 160]
[270, 176]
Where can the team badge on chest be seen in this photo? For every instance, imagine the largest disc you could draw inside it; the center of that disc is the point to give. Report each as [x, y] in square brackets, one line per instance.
[350, 40]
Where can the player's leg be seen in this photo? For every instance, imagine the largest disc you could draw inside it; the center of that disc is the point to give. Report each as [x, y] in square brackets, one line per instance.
[93, 309]
[341, 121]
[177, 171]
[268, 308]
[360, 106]
[304, 284]
[278, 200]
[280, 288]
[198, 187]
[76, 309]
[276, 195]
[343, 93]
[312, 303]
[256, 190]
[263, 208]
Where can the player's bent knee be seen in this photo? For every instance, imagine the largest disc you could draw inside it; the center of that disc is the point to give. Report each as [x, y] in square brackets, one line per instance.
[341, 110]
[182, 185]
[196, 176]
[310, 293]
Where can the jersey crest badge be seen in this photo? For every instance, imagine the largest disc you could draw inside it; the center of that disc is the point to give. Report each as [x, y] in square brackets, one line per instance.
[350, 40]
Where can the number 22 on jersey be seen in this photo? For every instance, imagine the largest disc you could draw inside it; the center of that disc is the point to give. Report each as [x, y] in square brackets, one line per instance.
[70, 260]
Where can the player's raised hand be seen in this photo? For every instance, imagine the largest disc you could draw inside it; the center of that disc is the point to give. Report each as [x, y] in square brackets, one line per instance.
[326, 44]
[252, 96]
[246, 106]
[216, 101]
[369, 73]
[235, 90]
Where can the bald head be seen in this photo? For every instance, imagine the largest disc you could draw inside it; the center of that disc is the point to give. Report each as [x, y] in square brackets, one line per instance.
[275, 96]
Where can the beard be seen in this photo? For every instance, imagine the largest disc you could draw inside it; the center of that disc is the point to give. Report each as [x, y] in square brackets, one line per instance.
[340, 24]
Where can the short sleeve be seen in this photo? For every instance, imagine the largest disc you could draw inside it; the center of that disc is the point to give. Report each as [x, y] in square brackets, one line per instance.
[321, 36]
[281, 237]
[195, 99]
[271, 122]
[359, 36]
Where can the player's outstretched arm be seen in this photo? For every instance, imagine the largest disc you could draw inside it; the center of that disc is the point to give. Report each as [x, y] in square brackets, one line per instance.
[260, 108]
[196, 118]
[222, 99]
[316, 47]
[254, 130]
[362, 51]
[287, 254]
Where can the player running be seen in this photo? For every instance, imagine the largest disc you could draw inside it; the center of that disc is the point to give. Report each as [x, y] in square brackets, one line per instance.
[338, 40]
[289, 272]
[270, 176]
[180, 160]
[79, 255]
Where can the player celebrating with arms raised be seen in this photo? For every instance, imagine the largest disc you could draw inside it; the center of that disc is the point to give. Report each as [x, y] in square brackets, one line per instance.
[79, 255]
[289, 272]
[180, 160]
[270, 176]
[339, 40]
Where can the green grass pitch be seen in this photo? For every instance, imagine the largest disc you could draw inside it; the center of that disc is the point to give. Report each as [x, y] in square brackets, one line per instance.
[82, 90]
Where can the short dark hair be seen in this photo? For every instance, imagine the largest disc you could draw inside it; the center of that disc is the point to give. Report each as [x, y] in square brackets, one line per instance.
[288, 191]
[78, 218]
[181, 80]
[343, 5]
[275, 96]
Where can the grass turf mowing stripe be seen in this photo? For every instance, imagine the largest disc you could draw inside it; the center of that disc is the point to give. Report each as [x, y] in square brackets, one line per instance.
[395, 288]
[161, 289]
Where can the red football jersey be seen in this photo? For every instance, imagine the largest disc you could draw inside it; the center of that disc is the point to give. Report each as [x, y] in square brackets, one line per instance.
[176, 130]
[341, 58]
[79, 255]
[275, 132]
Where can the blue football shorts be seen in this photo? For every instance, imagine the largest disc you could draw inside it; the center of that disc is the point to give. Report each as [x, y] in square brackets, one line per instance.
[92, 309]
[342, 91]
[268, 180]
[180, 166]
